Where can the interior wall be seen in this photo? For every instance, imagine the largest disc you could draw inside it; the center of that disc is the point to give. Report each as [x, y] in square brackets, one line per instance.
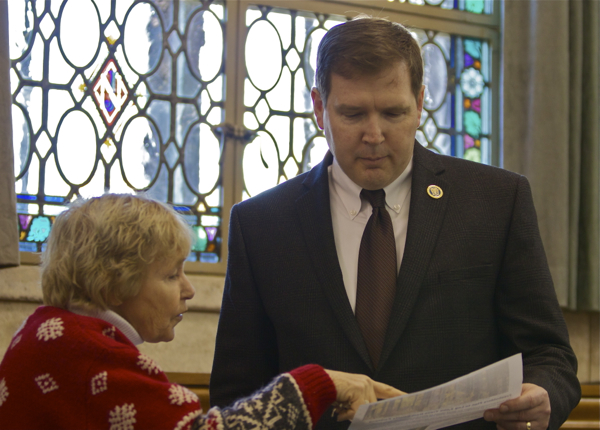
[193, 347]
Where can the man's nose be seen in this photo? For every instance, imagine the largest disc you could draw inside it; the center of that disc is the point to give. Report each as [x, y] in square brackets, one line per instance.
[373, 133]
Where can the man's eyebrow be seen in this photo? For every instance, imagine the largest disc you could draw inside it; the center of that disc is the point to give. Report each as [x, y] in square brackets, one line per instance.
[347, 107]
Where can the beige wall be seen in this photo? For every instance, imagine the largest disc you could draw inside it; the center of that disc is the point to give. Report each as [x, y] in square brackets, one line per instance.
[193, 347]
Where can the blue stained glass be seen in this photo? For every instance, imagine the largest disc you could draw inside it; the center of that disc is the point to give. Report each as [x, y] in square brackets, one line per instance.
[214, 210]
[40, 229]
[26, 197]
[110, 107]
[27, 247]
[473, 48]
[54, 199]
[209, 257]
[468, 61]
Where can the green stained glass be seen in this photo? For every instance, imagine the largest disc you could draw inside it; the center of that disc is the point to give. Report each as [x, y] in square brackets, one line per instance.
[475, 6]
[201, 240]
[39, 230]
[472, 123]
[473, 154]
[473, 48]
[95, 88]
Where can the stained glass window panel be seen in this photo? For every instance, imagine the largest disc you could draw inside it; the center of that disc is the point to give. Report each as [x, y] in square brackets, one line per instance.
[118, 97]
[472, 6]
[281, 51]
[457, 103]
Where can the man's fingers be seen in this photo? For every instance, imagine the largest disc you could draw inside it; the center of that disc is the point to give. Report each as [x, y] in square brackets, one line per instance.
[531, 397]
[383, 391]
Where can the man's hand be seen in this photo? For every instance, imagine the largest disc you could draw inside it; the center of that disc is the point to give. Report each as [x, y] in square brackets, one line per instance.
[354, 390]
[532, 406]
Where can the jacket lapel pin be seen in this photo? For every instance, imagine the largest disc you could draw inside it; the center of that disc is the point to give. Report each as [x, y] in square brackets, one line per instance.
[434, 191]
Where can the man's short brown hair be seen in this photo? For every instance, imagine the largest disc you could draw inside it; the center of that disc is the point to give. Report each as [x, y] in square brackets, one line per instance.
[366, 46]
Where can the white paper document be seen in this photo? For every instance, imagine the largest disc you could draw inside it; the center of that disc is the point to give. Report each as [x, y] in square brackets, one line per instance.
[463, 399]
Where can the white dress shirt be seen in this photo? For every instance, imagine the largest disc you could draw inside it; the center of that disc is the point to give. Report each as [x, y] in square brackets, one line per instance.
[350, 215]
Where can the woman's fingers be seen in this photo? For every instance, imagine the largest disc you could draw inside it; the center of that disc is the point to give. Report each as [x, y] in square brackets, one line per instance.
[354, 390]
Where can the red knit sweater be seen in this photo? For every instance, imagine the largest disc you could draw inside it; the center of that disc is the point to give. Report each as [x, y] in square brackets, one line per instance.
[69, 371]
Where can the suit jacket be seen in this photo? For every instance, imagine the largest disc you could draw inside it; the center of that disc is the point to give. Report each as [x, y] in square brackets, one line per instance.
[473, 287]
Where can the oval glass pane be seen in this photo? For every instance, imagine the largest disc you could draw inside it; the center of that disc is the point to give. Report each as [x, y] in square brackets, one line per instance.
[202, 155]
[140, 152]
[21, 139]
[263, 55]
[310, 55]
[205, 45]
[435, 76]
[20, 26]
[260, 164]
[76, 147]
[143, 38]
[79, 32]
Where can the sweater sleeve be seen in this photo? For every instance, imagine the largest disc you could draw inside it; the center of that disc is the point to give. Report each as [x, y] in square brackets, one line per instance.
[294, 400]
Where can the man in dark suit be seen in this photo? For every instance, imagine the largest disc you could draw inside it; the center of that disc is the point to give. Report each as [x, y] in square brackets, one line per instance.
[472, 284]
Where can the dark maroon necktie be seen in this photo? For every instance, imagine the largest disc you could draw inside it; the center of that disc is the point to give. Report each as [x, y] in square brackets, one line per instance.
[376, 285]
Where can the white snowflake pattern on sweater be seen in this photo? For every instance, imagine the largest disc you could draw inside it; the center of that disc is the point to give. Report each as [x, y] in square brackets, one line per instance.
[149, 365]
[3, 391]
[122, 417]
[99, 383]
[109, 332]
[187, 419]
[46, 383]
[178, 395]
[50, 329]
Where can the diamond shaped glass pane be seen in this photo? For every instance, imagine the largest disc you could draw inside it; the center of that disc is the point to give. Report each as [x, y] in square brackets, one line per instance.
[43, 144]
[112, 33]
[108, 150]
[171, 154]
[430, 130]
[290, 168]
[47, 26]
[292, 59]
[174, 41]
[262, 111]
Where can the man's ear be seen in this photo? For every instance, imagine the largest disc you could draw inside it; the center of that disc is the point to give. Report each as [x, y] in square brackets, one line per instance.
[420, 104]
[318, 106]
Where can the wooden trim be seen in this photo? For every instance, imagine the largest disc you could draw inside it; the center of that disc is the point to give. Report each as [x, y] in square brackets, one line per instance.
[586, 414]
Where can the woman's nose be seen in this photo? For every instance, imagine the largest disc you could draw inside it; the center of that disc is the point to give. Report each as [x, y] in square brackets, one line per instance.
[188, 291]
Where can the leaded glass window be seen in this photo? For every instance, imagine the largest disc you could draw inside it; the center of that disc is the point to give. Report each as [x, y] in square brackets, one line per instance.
[134, 96]
[280, 73]
[473, 6]
[119, 97]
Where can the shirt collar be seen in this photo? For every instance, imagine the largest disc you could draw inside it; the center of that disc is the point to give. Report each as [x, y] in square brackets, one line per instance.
[113, 318]
[349, 192]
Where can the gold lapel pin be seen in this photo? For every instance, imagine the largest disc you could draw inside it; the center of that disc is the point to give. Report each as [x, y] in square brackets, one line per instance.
[434, 191]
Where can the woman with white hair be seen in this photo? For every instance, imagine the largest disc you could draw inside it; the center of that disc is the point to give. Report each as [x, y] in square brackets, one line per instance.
[112, 278]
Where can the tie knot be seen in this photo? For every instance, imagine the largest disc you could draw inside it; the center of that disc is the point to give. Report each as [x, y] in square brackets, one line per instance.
[375, 197]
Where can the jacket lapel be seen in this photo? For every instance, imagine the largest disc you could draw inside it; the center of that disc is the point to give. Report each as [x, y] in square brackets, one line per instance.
[314, 212]
[424, 223]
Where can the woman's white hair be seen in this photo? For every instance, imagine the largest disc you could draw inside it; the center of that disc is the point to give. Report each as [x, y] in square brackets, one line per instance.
[99, 250]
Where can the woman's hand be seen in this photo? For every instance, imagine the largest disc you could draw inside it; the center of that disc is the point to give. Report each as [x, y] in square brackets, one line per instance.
[354, 390]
